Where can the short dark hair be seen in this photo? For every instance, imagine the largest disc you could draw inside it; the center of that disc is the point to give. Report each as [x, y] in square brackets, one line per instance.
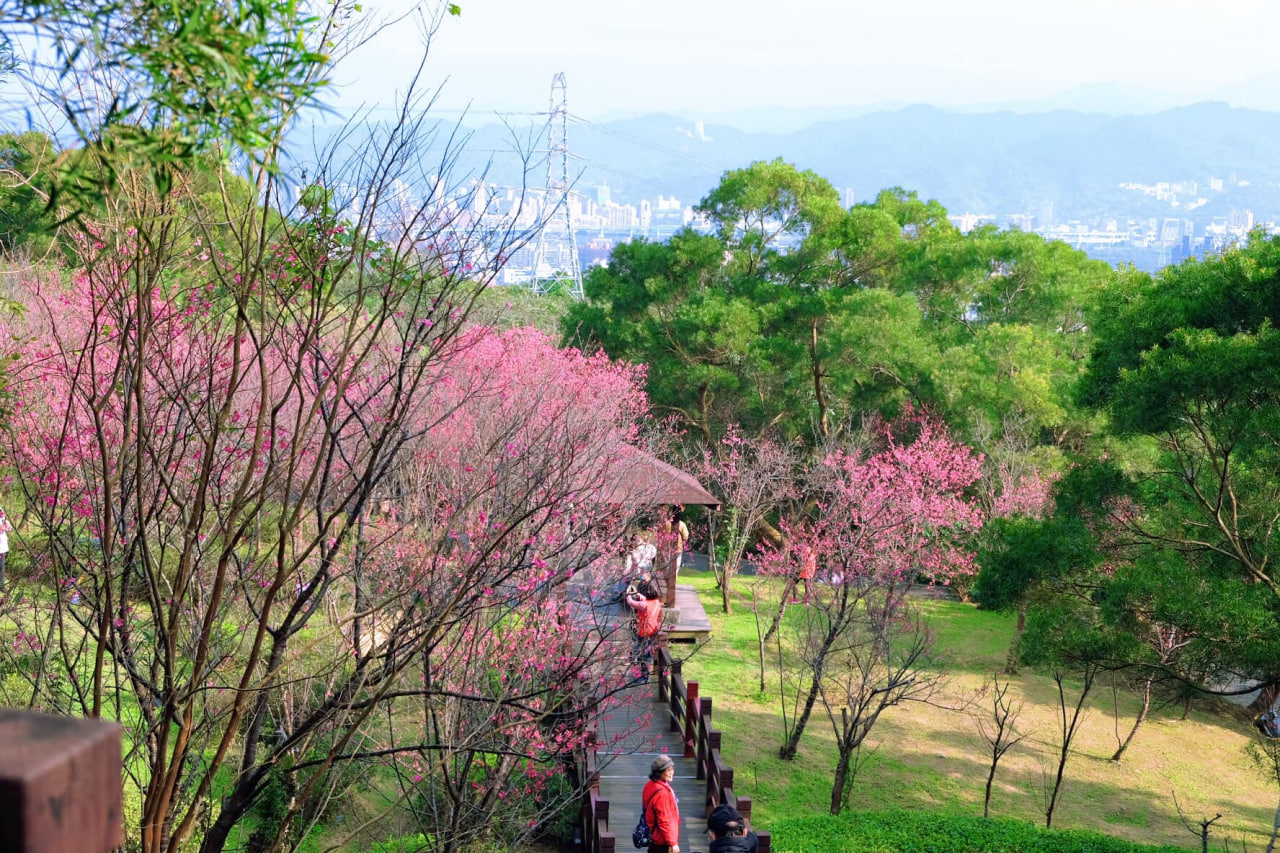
[725, 820]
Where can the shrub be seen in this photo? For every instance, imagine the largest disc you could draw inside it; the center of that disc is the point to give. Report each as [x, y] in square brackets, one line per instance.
[916, 832]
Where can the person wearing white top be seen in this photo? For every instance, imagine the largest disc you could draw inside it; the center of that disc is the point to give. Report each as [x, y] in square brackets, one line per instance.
[640, 557]
[5, 527]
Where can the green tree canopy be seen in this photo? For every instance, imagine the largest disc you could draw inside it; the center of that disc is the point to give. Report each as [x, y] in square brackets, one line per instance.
[797, 313]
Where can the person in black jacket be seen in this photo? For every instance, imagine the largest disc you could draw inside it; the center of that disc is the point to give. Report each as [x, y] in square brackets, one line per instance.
[728, 831]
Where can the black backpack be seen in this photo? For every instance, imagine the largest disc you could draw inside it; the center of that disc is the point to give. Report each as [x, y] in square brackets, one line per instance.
[640, 836]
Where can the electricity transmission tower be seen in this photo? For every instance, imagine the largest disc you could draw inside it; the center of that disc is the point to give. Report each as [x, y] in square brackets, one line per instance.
[556, 258]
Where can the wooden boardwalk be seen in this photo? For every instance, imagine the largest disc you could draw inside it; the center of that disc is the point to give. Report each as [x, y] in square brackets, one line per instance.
[630, 738]
[689, 623]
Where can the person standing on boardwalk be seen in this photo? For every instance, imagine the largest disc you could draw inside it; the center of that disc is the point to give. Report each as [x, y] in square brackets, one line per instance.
[644, 600]
[661, 809]
[680, 534]
[640, 557]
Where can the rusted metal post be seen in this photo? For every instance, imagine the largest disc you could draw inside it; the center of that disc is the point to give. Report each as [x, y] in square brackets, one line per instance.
[61, 789]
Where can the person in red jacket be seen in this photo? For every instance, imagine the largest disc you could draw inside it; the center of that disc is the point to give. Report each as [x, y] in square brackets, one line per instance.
[808, 568]
[661, 809]
[643, 599]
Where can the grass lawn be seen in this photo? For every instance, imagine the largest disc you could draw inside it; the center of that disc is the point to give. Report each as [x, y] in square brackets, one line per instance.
[931, 758]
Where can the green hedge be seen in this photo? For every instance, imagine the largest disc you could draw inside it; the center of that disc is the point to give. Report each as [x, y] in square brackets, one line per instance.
[923, 832]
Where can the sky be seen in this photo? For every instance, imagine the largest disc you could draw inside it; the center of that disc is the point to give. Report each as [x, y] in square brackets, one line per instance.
[720, 56]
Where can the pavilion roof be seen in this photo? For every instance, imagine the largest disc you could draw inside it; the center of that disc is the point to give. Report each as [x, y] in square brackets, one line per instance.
[643, 478]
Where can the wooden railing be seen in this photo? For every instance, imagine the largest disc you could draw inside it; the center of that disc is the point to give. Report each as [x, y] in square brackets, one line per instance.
[689, 714]
[595, 809]
[60, 785]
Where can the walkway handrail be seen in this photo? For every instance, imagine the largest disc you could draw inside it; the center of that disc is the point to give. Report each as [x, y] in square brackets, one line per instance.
[701, 742]
[690, 715]
[61, 790]
[595, 809]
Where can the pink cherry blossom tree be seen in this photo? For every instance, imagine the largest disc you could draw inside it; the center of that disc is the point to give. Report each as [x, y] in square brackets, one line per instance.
[205, 415]
[753, 478]
[895, 508]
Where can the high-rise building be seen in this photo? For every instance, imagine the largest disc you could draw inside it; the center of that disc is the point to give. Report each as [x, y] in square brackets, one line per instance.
[1044, 217]
[1241, 220]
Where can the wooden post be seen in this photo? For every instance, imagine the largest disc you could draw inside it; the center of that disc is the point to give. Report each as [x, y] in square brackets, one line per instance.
[61, 788]
[706, 759]
[667, 555]
[673, 698]
[711, 540]
[690, 712]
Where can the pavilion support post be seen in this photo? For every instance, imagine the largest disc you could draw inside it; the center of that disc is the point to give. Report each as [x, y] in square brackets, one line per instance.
[711, 540]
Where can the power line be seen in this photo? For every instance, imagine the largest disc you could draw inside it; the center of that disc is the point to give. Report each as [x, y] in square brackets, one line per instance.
[642, 142]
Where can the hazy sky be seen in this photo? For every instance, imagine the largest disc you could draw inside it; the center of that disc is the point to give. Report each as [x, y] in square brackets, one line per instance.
[723, 55]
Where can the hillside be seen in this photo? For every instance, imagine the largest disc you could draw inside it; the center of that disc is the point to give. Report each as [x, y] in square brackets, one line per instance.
[985, 163]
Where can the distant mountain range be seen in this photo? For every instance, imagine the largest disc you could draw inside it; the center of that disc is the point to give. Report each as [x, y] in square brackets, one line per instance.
[987, 163]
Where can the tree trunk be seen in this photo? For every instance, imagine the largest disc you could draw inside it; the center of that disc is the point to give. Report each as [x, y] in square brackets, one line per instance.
[841, 779]
[768, 531]
[818, 393]
[1275, 832]
[776, 622]
[234, 807]
[1069, 727]
[254, 730]
[991, 778]
[1011, 662]
[725, 575]
[1142, 715]
[788, 751]
[1053, 797]
[755, 609]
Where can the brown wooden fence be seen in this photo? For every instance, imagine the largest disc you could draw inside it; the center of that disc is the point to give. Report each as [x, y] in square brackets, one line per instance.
[60, 785]
[690, 714]
[61, 788]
